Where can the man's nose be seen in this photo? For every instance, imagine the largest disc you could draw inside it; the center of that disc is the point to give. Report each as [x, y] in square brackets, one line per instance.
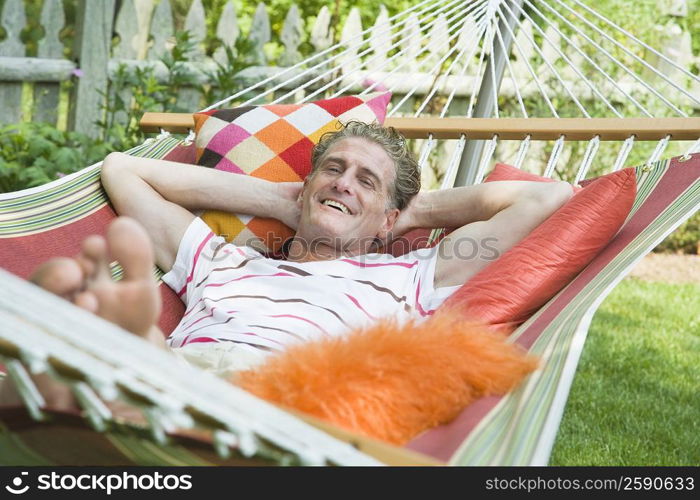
[343, 183]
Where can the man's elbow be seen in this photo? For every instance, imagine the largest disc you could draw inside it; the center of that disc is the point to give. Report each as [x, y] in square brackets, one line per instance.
[113, 163]
[116, 168]
[564, 192]
[556, 195]
[551, 196]
[114, 175]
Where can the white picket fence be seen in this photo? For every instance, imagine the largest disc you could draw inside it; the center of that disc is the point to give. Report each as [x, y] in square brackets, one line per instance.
[145, 32]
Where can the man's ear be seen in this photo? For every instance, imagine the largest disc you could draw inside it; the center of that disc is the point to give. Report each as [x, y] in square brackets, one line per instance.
[391, 216]
[300, 198]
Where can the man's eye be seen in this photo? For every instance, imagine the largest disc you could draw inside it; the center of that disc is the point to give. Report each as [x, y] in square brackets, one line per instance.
[367, 183]
[333, 169]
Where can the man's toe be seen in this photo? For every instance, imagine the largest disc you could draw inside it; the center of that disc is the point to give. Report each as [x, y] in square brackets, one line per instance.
[62, 276]
[130, 245]
[94, 257]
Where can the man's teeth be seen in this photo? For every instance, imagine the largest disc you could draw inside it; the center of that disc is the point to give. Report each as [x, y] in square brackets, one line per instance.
[337, 205]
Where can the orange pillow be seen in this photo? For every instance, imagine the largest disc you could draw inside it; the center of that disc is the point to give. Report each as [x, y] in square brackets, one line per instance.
[392, 381]
[512, 288]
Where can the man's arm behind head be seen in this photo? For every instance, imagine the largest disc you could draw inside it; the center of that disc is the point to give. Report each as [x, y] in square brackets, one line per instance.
[162, 196]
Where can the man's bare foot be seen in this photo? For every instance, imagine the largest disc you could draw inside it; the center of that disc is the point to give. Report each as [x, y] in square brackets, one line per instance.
[133, 303]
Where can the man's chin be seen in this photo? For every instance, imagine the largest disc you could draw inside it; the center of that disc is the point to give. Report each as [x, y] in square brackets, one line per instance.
[334, 238]
[317, 231]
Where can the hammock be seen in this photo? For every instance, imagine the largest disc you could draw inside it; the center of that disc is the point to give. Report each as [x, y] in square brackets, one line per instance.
[515, 429]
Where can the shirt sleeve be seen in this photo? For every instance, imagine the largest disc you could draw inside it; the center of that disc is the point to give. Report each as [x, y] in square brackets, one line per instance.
[429, 298]
[194, 256]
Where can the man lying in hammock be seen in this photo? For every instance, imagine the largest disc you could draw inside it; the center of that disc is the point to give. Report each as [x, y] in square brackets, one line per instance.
[241, 306]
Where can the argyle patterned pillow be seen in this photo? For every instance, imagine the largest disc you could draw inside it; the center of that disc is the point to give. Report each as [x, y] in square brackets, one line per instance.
[273, 142]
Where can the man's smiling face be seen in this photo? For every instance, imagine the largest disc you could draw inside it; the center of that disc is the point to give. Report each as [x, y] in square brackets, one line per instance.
[347, 199]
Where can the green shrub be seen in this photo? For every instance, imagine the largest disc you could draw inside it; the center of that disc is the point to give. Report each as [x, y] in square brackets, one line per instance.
[32, 154]
[685, 239]
[120, 125]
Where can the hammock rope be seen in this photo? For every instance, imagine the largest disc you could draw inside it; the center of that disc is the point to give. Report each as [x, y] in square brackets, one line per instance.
[615, 61]
[425, 76]
[660, 148]
[453, 7]
[636, 40]
[453, 34]
[693, 149]
[513, 79]
[441, 80]
[549, 65]
[554, 157]
[573, 66]
[588, 156]
[522, 152]
[320, 55]
[466, 42]
[486, 159]
[453, 163]
[428, 146]
[624, 153]
[532, 71]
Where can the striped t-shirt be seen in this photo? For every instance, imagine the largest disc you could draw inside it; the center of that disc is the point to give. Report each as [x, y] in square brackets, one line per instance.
[237, 295]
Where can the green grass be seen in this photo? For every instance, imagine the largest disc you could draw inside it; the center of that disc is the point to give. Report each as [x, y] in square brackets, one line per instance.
[635, 399]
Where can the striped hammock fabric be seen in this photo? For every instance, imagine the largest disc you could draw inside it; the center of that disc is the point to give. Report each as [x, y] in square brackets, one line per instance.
[520, 428]
[517, 429]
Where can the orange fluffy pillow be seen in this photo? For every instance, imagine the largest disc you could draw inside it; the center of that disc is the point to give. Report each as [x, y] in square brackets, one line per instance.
[392, 382]
[523, 279]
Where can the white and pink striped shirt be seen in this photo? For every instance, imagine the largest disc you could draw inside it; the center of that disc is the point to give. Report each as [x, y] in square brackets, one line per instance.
[237, 295]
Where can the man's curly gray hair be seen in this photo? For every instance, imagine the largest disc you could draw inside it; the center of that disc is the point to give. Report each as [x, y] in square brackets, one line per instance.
[407, 180]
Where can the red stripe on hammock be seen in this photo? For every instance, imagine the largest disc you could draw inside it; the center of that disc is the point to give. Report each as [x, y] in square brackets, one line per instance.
[22, 254]
[173, 310]
[182, 154]
[443, 441]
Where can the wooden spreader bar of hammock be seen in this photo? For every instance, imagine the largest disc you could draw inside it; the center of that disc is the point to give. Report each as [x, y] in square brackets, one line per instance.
[575, 129]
